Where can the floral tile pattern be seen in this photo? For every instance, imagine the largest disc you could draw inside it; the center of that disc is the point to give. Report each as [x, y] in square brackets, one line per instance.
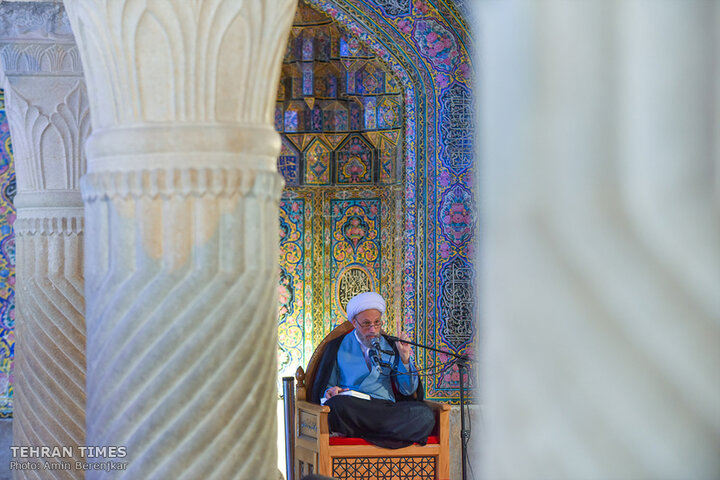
[7, 265]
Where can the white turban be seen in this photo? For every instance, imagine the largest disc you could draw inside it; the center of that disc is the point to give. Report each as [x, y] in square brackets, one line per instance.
[365, 301]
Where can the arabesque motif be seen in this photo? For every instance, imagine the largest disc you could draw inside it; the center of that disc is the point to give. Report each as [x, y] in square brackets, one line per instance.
[437, 44]
[7, 265]
[291, 286]
[457, 218]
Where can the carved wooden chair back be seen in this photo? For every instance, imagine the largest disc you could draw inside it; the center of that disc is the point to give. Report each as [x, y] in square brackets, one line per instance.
[305, 378]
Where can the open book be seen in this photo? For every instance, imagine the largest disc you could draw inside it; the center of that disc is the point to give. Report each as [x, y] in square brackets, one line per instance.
[352, 393]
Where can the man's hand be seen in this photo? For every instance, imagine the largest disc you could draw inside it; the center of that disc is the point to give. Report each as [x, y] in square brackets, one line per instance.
[332, 391]
[404, 348]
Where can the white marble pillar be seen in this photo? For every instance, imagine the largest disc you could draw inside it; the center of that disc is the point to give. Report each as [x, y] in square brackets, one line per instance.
[602, 239]
[48, 113]
[181, 201]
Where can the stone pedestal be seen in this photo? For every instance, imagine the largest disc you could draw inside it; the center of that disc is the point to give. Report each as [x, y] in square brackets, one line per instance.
[48, 113]
[181, 201]
[602, 235]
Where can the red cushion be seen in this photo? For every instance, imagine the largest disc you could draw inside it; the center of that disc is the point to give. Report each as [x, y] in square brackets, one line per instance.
[432, 439]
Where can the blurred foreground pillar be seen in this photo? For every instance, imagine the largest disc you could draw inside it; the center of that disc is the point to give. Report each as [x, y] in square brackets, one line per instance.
[602, 248]
[181, 201]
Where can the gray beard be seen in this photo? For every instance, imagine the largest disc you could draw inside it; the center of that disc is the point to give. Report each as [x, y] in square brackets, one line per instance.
[368, 341]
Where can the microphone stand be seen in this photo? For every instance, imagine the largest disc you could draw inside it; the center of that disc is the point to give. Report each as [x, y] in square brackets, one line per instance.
[462, 362]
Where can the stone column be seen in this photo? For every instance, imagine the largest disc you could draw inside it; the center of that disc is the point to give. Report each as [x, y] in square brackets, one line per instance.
[181, 201]
[48, 113]
[602, 246]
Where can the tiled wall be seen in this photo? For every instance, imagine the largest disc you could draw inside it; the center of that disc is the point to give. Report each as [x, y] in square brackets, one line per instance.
[7, 265]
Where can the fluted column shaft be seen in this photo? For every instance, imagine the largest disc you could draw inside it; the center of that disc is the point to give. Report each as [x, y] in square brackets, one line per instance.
[48, 114]
[602, 247]
[181, 201]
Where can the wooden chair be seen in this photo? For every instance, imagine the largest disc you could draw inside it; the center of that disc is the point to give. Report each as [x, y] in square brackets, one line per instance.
[354, 458]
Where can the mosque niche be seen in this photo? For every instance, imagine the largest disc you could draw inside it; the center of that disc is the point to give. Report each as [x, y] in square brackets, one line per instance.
[339, 112]
[332, 83]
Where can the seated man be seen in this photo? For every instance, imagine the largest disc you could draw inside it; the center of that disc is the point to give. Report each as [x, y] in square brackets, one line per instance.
[392, 417]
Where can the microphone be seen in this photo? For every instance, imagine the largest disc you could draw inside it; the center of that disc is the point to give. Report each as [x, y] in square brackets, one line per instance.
[375, 344]
[373, 352]
[375, 341]
[374, 357]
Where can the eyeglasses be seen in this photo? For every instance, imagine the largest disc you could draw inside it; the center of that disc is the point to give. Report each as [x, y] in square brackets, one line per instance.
[376, 324]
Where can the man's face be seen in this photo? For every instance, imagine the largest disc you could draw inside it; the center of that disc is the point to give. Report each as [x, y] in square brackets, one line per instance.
[368, 324]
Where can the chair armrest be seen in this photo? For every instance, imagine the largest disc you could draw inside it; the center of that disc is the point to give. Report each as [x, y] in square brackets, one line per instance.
[438, 405]
[442, 425]
[312, 407]
[312, 421]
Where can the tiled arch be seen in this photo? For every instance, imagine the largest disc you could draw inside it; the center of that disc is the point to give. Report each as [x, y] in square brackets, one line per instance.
[426, 45]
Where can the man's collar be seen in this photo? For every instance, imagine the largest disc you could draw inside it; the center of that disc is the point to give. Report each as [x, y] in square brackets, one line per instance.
[362, 345]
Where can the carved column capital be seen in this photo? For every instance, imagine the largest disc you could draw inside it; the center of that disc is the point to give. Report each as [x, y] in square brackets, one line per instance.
[36, 38]
[47, 104]
[205, 62]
